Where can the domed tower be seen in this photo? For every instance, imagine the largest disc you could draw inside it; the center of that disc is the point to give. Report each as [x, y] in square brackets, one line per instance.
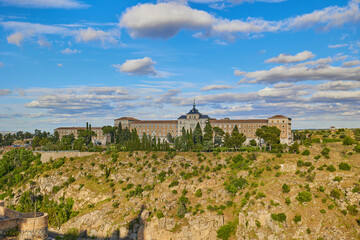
[190, 120]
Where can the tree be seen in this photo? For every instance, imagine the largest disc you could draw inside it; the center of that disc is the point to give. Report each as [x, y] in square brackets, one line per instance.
[237, 139]
[110, 130]
[86, 134]
[271, 136]
[219, 134]
[208, 131]
[252, 143]
[170, 138]
[198, 138]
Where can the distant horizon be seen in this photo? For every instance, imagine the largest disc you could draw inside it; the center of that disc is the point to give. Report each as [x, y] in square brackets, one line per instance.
[68, 62]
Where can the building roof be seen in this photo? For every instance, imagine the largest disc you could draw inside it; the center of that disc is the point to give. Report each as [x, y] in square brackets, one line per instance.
[278, 116]
[239, 121]
[75, 128]
[127, 118]
[182, 117]
[155, 121]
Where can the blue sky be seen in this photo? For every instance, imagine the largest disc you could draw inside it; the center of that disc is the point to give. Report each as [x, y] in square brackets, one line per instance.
[65, 62]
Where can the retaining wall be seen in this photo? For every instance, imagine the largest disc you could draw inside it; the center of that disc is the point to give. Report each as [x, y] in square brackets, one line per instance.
[28, 225]
[45, 156]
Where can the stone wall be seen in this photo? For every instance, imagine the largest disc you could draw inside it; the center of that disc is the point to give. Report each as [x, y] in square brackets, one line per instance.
[29, 225]
[45, 156]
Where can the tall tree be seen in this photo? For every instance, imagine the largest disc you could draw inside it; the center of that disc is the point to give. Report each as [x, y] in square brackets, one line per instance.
[271, 135]
[208, 131]
[237, 139]
[198, 137]
[111, 131]
[219, 134]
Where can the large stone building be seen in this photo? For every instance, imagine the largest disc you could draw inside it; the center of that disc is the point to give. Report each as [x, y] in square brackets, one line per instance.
[161, 128]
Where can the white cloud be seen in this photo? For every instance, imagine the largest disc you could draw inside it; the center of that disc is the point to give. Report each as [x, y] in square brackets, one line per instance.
[337, 45]
[333, 16]
[163, 20]
[70, 51]
[60, 65]
[351, 63]
[334, 96]
[339, 85]
[30, 29]
[44, 43]
[4, 92]
[16, 38]
[65, 4]
[90, 34]
[312, 70]
[166, 19]
[288, 58]
[143, 66]
[215, 87]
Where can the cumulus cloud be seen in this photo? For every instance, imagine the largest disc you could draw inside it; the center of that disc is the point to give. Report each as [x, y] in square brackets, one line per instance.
[333, 16]
[333, 96]
[16, 38]
[142, 66]
[80, 100]
[339, 85]
[166, 19]
[68, 51]
[65, 4]
[163, 20]
[312, 70]
[351, 63]
[90, 34]
[215, 87]
[288, 58]
[4, 92]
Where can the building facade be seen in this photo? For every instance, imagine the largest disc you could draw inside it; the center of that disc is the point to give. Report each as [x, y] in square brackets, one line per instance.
[161, 128]
[100, 138]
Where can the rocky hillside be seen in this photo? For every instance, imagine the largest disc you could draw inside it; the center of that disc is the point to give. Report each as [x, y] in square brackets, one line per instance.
[161, 195]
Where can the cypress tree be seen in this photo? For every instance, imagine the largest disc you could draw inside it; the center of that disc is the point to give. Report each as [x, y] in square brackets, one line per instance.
[198, 134]
[208, 135]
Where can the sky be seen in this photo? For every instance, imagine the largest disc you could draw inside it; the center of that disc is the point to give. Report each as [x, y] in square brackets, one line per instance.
[67, 62]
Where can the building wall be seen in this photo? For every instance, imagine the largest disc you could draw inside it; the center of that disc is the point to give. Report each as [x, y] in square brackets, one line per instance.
[99, 138]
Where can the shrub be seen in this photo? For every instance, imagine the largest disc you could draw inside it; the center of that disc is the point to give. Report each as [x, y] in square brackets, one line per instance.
[115, 204]
[280, 217]
[285, 188]
[348, 141]
[226, 231]
[323, 211]
[257, 223]
[344, 166]
[236, 184]
[337, 179]
[352, 210]
[260, 195]
[335, 193]
[305, 152]
[198, 193]
[325, 152]
[287, 201]
[357, 148]
[173, 184]
[331, 168]
[297, 218]
[304, 196]
[159, 215]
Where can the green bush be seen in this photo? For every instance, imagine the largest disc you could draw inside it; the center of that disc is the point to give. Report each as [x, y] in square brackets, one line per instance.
[226, 231]
[236, 184]
[344, 166]
[198, 193]
[285, 188]
[357, 148]
[325, 152]
[304, 196]
[348, 141]
[352, 210]
[305, 152]
[297, 218]
[173, 184]
[336, 193]
[280, 217]
[331, 168]
[159, 215]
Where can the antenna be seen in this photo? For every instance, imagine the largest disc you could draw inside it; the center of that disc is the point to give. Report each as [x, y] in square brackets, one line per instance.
[194, 103]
